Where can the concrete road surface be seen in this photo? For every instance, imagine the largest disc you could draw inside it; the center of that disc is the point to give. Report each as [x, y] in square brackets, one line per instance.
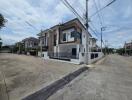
[110, 80]
[25, 75]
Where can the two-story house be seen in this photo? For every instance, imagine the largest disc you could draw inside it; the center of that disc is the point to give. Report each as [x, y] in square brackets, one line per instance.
[66, 41]
[30, 44]
[128, 48]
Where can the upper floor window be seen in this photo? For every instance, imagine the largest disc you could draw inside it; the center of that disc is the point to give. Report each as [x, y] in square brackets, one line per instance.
[73, 34]
[64, 37]
[55, 40]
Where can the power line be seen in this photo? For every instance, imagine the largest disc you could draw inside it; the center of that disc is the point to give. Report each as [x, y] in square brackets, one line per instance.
[85, 22]
[100, 22]
[93, 30]
[96, 34]
[31, 25]
[94, 27]
[98, 13]
[99, 6]
[67, 4]
[118, 29]
[103, 8]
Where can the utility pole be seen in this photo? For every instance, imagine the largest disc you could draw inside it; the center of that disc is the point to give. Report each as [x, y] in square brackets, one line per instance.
[102, 29]
[87, 37]
[101, 38]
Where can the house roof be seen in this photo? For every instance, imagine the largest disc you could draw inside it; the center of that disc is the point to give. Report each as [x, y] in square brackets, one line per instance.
[68, 22]
[93, 38]
[47, 30]
[30, 39]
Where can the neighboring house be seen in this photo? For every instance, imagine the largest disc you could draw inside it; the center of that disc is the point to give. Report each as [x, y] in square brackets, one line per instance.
[66, 41]
[18, 48]
[128, 46]
[30, 45]
[93, 45]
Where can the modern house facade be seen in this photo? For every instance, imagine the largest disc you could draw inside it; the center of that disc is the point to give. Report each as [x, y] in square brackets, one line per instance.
[67, 41]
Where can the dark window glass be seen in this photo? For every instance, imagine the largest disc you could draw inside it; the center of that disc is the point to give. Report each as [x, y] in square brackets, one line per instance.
[92, 56]
[74, 51]
[96, 55]
[73, 34]
[55, 40]
[64, 37]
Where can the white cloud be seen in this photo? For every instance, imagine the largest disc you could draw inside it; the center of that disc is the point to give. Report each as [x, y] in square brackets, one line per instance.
[42, 13]
[46, 13]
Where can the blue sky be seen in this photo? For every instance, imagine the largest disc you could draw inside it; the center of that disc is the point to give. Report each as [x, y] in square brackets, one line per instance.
[43, 14]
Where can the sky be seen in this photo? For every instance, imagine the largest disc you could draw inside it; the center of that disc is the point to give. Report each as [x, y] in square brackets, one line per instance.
[43, 14]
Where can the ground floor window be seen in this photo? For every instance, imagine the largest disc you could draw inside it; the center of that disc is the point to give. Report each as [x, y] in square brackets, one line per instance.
[74, 51]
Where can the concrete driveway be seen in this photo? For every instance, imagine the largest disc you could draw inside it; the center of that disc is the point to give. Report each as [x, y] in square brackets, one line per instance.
[25, 75]
[110, 80]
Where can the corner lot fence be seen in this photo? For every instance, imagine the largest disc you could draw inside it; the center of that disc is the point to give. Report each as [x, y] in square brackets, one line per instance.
[76, 59]
[94, 56]
[63, 56]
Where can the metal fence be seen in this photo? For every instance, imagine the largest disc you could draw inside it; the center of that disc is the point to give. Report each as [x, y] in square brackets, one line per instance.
[94, 55]
[63, 55]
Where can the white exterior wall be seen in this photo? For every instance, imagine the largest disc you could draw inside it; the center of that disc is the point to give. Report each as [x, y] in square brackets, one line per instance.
[100, 55]
[84, 40]
[56, 48]
[44, 55]
[57, 40]
[44, 41]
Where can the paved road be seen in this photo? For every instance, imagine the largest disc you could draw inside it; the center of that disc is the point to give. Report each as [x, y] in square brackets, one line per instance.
[25, 75]
[110, 80]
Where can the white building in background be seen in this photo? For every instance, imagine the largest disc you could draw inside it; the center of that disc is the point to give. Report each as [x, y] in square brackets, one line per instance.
[68, 42]
[30, 45]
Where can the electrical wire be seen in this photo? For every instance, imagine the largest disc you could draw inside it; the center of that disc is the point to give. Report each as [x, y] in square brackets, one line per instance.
[31, 25]
[93, 27]
[67, 4]
[98, 13]
[93, 31]
[103, 8]
[99, 6]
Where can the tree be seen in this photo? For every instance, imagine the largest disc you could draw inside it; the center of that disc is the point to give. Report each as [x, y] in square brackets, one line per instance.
[0, 45]
[2, 24]
[2, 21]
[120, 51]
